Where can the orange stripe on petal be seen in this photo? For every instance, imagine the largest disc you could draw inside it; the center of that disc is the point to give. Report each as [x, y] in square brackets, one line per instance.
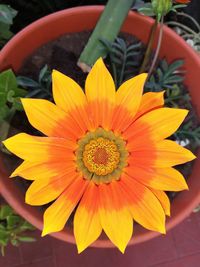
[50, 119]
[100, 93]
[143, 205]
[167, 179]
[87, 226]
[115, 217]
[33, 148]
[149, 102]
[155, 126]
[162, 154]
[128, 98]
[43, 191]
[164, 200]
[56, 216]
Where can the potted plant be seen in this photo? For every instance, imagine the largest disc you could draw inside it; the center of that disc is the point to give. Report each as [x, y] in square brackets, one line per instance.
[80, 19]
[13, 228]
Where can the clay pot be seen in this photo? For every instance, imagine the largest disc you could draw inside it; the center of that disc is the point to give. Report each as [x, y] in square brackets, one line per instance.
[84, 18]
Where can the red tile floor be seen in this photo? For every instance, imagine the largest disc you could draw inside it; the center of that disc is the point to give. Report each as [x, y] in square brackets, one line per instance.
[179, 248]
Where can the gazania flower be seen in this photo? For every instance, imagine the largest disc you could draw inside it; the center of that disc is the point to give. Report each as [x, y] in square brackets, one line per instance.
[105, 154]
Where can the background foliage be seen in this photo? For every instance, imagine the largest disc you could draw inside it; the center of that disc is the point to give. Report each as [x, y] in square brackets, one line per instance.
[13, 228]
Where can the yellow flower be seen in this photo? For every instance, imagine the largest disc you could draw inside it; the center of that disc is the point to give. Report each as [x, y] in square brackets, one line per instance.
[105, 153]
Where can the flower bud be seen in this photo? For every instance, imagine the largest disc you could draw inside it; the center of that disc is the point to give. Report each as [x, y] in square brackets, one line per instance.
[161, 7]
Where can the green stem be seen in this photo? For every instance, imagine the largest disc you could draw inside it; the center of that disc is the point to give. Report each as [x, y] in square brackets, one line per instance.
[3, 250]
[157, 48]
[107, 28]
[189, 17]
[149, 47]
[177, 24]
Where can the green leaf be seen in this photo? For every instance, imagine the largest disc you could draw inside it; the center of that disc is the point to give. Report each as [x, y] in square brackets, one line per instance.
[4, 237]
[3, 98]
[13, 221]
[147, 10]
[19, 92]
[4, 241]
[14, 242]
[178, 6]
[17, 104]
[174, 66]
[138, 4]
[2, 226]
[5, 32]
[26, 239]
[5, 211]
[174, 79]
[7, 81]
[7, 14]
[43, 73]
[10, 96]
[27, 82]
[27, 226]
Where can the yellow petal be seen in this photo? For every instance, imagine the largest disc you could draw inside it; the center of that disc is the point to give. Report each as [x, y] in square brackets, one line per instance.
[149, 102]
[50, 119]
[32, 148]
[155, 125]
[87, 226]
[143, 204]
[43, 191]
[56, 216]
[163, 154]
[167, 179]
[67, 94]
[115, 217]
[164, 200]
[128, 100]
[100, 92]
[46, 169]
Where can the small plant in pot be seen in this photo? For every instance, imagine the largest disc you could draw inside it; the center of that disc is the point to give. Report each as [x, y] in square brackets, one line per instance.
[102, 152]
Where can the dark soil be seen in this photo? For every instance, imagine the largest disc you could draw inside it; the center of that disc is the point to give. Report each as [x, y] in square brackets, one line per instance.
[61, 54]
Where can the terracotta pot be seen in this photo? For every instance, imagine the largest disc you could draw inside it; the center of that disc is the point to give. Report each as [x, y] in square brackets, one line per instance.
[77, 20]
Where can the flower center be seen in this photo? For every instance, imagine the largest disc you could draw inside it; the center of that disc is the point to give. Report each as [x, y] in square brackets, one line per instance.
[101, 156]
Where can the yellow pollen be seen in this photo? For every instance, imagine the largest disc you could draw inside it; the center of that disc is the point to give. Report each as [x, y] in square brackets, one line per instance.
[101, 156]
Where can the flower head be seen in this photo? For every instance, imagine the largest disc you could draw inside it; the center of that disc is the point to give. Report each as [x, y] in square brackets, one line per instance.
[105, 153]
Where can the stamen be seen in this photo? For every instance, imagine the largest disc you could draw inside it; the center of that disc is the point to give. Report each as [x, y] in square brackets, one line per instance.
[101, 156]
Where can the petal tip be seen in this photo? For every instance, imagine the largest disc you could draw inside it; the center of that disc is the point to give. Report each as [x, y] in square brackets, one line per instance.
[162, 230]
[44, 232]
[14, 174]
[80, 248]
[25, 101]
[168, 213]
[122, 248]
[56, 73]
